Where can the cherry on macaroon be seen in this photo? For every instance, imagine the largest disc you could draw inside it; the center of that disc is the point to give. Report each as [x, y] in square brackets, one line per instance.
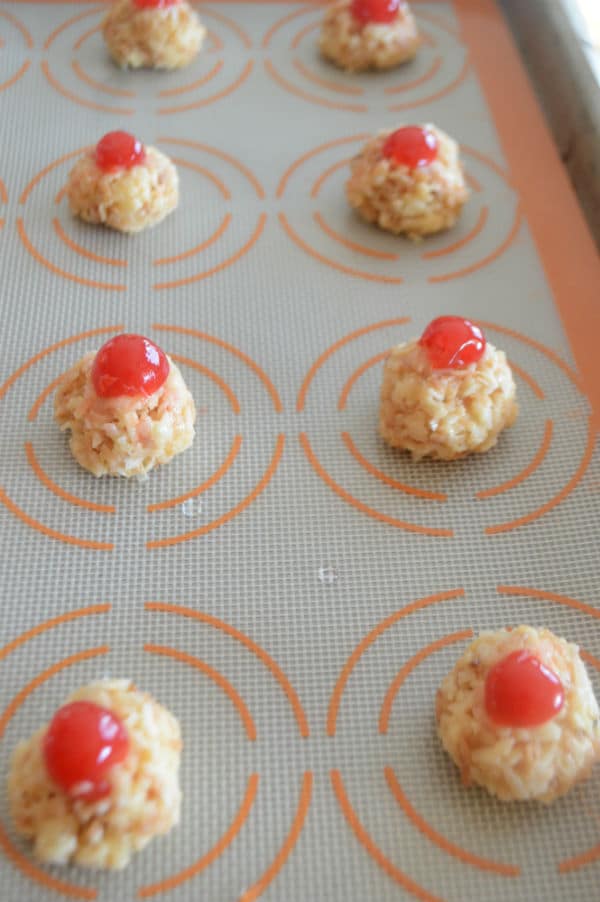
[119, 150]
[411, 146]
[83, 742]
[520, 691]
[381, 12]
[155, 4]
[452, 342]
[129, 365]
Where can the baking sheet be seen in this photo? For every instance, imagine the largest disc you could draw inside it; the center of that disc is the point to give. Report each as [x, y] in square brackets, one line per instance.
[291, 589]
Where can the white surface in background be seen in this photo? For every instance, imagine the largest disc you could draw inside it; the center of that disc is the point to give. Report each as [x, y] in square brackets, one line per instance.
[585, 15]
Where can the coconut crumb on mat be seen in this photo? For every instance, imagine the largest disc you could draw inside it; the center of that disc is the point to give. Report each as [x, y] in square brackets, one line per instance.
[415, 202]
[445, 414]
[128, 200]
[144, 799]
[345, 41]
[162, 38]
[124, 435]
[541, 762]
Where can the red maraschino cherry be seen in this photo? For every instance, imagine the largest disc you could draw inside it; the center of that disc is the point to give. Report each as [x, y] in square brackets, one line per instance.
[155, 4]
[119, 150]
[520, 691]
[129, 365]
[411, 146]
[82, 743]
[381, 12]
[452, 342]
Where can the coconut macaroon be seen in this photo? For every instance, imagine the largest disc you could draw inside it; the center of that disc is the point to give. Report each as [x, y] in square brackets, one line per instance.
[518, 715]
[122, 184]
[161, 34]
[448, 394]
[101, 780]
[369, 34]
[127, 408]
[409, 181]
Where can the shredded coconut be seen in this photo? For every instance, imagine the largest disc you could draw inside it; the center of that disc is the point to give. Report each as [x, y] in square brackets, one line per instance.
[445, 414]
[541, 762]
[124, 436]
[355, 47]
[415, 202]
[163, 38]
[128, 200]
[144, 799]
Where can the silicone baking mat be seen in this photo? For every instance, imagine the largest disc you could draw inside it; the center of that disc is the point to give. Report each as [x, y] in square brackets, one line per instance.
[291, 589]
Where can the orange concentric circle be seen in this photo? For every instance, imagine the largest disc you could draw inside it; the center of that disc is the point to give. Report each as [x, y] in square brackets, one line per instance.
[296, 66]
[13, 66]
[536, 465]
[249, 654]
[394, 650]
[232, 695]
[78, 67]
[211, 179]
[75, 510]
[81, 514]
[324, 226]
[246, 650]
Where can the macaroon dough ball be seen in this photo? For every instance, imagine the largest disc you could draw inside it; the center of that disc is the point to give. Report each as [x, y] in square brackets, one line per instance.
[448, 394]
[369, 34]
[126, 407]
[122, 184]
[101, 780]
[518, 715]
[159, 34]
[409, 181]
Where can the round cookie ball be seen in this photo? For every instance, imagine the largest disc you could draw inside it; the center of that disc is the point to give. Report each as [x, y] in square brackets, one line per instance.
[369, 34]
[123, 185]
[141, 798]
[161, 34]
[409, 181]
[129, 433]
[541, 761]
[441, 407]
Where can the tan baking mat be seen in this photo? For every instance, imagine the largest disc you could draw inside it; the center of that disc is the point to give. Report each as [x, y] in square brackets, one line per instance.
[290, 588]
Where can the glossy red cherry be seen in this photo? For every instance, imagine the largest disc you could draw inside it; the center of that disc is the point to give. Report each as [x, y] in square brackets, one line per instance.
[82, 743]
[155, 4]
[452, 342]
[520, 691]
[378, 11]
[119, 150]
[129, 365]
[411, 146]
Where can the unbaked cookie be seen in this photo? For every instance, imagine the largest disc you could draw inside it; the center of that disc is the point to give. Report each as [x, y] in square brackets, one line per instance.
[122, 184]
[101, 780]
[518, 715]
[127, 408]
[162, 34]
[369, 34]
[409, 181]
[447, 394]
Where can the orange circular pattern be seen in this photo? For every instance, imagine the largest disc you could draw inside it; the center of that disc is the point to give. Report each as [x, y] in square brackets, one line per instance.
[9, 21]
[565, 866]
[292, 67]
[380, 257]
[88, 85]
[231, 458]
[537, 459]
[72, 890]
[171, 261]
